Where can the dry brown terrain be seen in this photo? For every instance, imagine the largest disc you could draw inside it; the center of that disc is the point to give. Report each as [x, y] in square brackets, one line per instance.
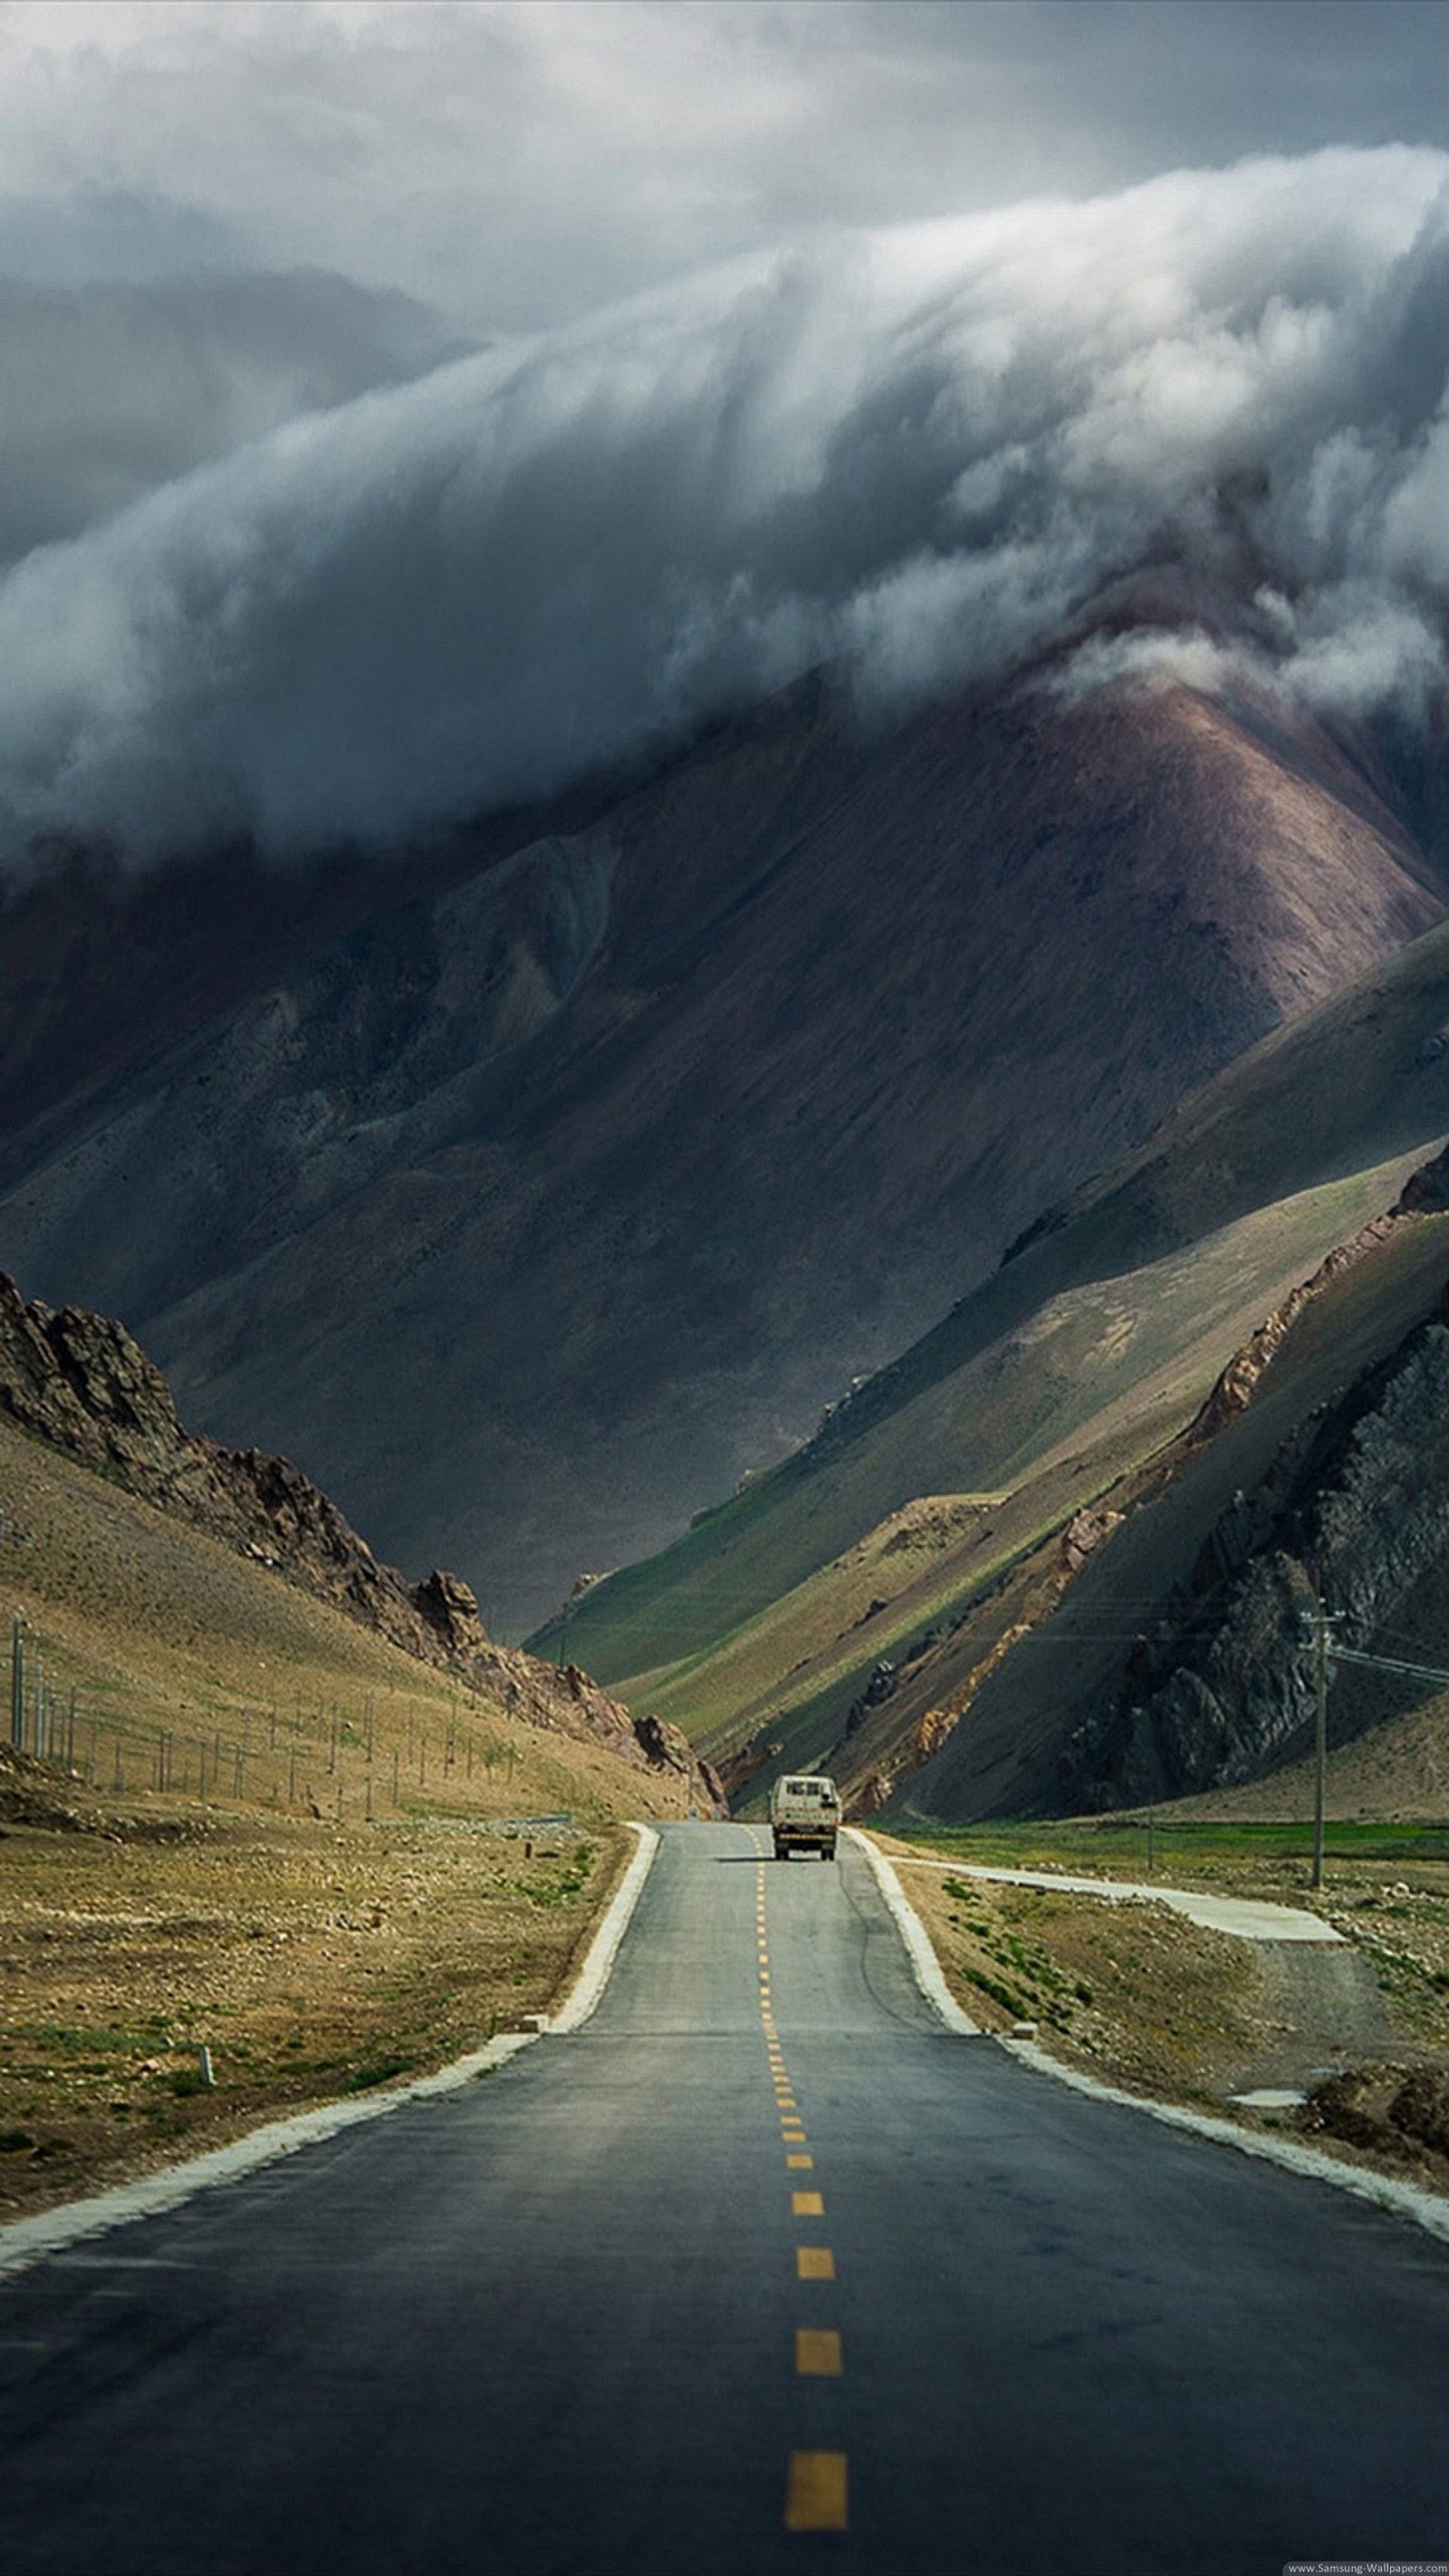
[1144, 2000]
[162, 1659]
[259, 1827]
[1131, 1993]
[311, 1959]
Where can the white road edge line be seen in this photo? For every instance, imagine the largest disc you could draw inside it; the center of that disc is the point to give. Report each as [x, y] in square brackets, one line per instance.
[1425, 2209]
[24, 2241]
[923, 1959]
[603, 1950]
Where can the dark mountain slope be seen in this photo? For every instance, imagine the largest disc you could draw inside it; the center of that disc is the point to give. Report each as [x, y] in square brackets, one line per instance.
[532, 1211]
[1173, 1659]
[1122, 1307]
[78, 1384]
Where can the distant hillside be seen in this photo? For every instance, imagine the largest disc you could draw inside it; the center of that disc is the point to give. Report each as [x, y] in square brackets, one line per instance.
[855, 1602]
[535, 1187]
[78, 1386]
[1171, 1657]
[1349, 1508]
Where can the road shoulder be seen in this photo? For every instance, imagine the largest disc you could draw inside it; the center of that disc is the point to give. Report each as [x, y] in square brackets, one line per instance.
[959, 1949]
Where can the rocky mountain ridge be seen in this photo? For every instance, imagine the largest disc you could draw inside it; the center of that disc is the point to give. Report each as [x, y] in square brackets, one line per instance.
[1313, 1472]
[604, 1147]
[80, 1383]
[1087, 1414]
[1351, 1519]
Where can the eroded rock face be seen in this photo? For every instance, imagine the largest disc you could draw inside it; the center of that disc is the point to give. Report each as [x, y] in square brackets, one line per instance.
[668, 1748]
[450, 1606]
[1240, 1380]
[1353, 1512]
[79, 1382]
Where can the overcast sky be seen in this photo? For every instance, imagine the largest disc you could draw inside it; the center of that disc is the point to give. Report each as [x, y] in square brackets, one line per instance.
[404, 405]
[516, 161]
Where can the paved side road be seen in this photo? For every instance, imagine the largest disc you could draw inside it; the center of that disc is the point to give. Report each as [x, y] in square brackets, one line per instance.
[1246, 1918]
[761, 2270]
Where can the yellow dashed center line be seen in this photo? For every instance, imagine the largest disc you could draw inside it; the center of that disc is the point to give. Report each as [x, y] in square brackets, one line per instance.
[814, 2263]
[816, 2482]
[816, 2491]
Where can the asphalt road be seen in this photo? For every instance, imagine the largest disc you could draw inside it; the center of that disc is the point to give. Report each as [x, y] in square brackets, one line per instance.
[574, 2319]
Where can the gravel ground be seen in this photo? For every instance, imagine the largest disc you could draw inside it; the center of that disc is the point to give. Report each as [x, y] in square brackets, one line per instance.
[311, 1959]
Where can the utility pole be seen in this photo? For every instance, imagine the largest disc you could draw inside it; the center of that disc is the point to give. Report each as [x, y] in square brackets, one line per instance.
[1322, 1622]
[1320, 1747]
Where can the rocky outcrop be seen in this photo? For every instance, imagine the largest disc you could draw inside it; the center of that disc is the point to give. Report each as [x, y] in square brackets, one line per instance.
[1353, 1513]
[1426, 1192]
[875, 1769]
[1238, 1383]
[81, 1384]
[668, 1748]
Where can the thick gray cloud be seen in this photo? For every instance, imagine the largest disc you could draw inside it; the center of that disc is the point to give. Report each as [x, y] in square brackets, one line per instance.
[117, 235]
[108, 391]
[922, 453]
[519, 162]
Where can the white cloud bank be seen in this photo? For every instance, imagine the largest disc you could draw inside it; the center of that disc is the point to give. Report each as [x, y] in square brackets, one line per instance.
[924, 454]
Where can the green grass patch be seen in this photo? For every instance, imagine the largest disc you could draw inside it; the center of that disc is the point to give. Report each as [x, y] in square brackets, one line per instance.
[380, 2070]
[564, 1885]
[94, 2039]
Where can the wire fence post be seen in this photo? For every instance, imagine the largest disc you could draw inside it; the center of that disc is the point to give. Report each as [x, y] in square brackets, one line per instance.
[1320, 1749]
[17, 1684]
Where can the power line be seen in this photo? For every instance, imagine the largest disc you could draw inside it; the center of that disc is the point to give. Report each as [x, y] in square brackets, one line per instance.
[1388, 1664]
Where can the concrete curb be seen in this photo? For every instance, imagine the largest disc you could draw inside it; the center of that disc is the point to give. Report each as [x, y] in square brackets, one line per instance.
[923, 1959]
[603, 1950]
[25, 2241]
[1409, 2200]
[28, 2240]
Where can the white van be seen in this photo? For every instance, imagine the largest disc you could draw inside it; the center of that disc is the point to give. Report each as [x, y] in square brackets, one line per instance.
[805, 1815]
